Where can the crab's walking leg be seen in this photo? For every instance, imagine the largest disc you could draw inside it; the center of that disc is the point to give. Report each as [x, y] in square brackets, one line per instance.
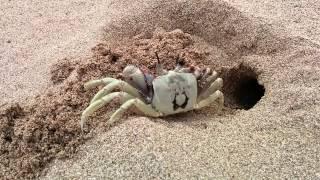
[207, 72]
[212, 77]
[216, 85]
[195, 70]
[122, 85]
[98, 82]
[185, 70]
[146, 109]
[217, 95]
[101, 102]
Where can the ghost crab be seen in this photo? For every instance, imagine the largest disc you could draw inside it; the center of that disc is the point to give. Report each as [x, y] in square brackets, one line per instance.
[170, 92]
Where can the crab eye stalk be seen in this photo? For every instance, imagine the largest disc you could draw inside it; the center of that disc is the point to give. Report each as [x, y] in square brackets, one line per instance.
[158, 59]
[159, 67]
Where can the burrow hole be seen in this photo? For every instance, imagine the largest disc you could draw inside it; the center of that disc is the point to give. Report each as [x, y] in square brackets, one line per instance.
[241, 87]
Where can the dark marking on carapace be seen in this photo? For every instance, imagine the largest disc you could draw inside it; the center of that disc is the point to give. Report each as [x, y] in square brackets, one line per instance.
[176, 106]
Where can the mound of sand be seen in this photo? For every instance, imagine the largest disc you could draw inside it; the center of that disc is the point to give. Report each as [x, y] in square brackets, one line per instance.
[275, 136]
[48, 127]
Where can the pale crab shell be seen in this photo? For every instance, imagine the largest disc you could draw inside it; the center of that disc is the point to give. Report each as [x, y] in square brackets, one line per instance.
[174, 92]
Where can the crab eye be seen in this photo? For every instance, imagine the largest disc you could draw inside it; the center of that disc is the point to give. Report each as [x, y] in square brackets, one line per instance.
[131, 79]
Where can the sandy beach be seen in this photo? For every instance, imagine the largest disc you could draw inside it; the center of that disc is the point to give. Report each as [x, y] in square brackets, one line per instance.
[267, 52]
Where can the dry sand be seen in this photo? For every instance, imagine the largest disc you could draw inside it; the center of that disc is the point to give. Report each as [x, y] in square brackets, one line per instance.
[34, 35]
[275, 42]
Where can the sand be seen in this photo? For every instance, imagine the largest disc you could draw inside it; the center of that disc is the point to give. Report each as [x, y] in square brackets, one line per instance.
[275, 43]
[35, 35]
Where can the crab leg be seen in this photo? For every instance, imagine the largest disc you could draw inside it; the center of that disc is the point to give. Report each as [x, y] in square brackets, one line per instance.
[185, 70]
[146, 109]
[216, 85]
[122, 85]
[195, 70]
[101, 102]
[98, 82]
[207, 72]
[216, 95]
[212, 77]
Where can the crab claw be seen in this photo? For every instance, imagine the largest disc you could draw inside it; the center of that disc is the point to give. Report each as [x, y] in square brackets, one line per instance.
[138, 79]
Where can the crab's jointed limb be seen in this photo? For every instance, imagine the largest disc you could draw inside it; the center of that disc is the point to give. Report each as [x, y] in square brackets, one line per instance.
[123, 86]
[213, 97]
[97, 104]
[215, 86]
[144, 108]
[95, 83]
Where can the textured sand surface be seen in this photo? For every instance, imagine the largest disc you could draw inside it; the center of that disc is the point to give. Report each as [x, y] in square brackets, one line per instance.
[34, 35]
[295, 18]
[277, 42]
